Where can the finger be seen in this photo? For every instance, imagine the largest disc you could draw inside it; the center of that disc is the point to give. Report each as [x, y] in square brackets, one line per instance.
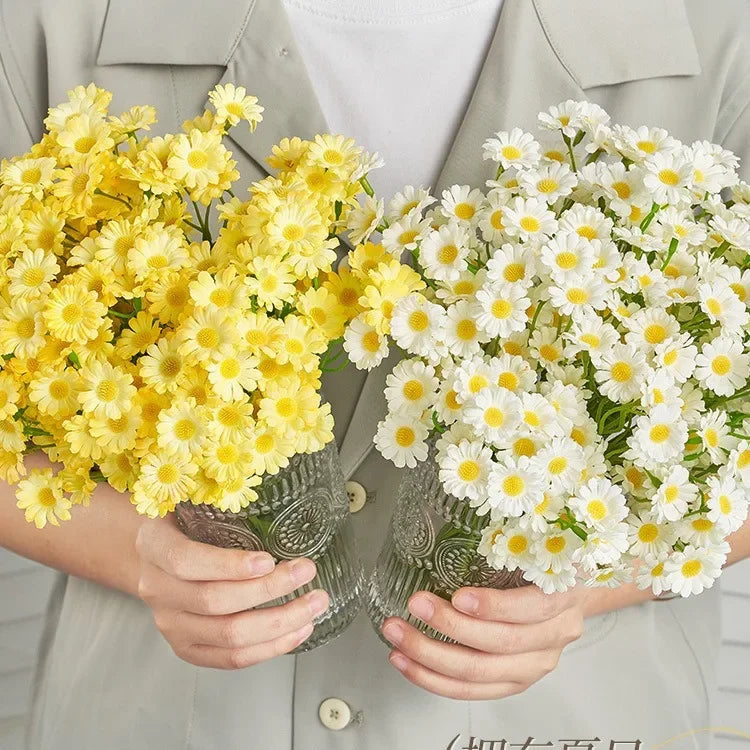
[224, 597]
[468, 664]
[527, 604]
[168, 548]
[248, 628]
[486, 635]
[449, 687]
[226, 658]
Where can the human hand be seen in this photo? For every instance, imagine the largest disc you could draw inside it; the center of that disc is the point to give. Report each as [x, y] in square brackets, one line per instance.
[506, 639]
[202, 598]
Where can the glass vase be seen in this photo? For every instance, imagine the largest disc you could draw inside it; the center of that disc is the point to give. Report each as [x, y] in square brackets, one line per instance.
[302, 511]
[431, 546]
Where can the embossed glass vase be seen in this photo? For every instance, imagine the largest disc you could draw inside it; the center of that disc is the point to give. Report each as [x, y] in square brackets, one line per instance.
[303, 511]
[431, 546]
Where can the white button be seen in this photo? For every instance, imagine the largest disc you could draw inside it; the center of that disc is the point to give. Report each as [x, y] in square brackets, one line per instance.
[357, 496]
[334, 713]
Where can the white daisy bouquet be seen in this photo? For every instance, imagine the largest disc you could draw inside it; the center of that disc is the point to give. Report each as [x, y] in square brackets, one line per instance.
[579, 355]
[142, 347]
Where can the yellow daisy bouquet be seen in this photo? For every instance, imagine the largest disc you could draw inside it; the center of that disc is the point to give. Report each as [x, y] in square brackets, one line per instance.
[141, 346]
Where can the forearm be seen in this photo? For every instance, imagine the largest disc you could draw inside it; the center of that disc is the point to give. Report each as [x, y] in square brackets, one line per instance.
[98, 543]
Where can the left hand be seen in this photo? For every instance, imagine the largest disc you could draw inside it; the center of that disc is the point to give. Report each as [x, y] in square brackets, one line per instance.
[506, 640]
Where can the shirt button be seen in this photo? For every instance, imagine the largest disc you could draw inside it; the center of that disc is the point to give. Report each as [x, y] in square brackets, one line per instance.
[357, 496]
[334, 713]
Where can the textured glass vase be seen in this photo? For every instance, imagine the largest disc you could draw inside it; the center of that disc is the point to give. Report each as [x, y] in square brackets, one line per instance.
[431, 546]
[303, 511]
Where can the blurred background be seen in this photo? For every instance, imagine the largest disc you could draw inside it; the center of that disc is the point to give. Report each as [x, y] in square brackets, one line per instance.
[24, 587]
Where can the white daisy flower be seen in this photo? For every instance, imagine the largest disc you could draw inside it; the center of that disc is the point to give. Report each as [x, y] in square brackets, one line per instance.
[566, 401]
[464, 472]
[512, 149]
[417, 325]
[734, 230]
[365, 346]
[402, 440]
[621, 372]
[556, 549]
[565, 116]
[512, 372]
[538, 415]
[546, 346]
[650, 327]
[462, 203]
[677, 357]
[578, 294]
[647, 536]
[638, 144]
[529, 219]
[447, 406]
[567, 254]
[491, 217]
[674, 496]
[560, 463]
[443, 252]
[651, 576]
[463, 288]
[471, 377]
[494, 413]
[462, 335]
[548, 182]
[659, 388]
[590, 334]
[659, 436]
[701, 531]
[411, 387]
[668, 176]
[692, 403]
[678, 223]
[599, 503]
[502, 309]
[514, 487]
[511, 547]
[587, 222]
[714, 433]
[691, 571]
[411, 200]
[723, 306]
[405, 234]
[739, 462]
[602, 547]
[550, 580]
[512, 264]
[609, 576]
[728, 503]
[547, 510]
[722, 366]
[738, 280]
[623, 189]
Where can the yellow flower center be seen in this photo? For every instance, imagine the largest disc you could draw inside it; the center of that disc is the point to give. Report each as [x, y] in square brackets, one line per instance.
[566, 260]
[670, 357]
[655, 333]
[592, 340]
[622, 189]
[513, 485]
[669, 177]
[713, 305]
[451, 400]
[46, 497]
[659, 433]
[167, 474]
[418, 321]
[501, 309]
[577, 296]
[170, 366]
[586, 231]
[548, 352]
[511, 152]
[508, 380]
[596, 509]
[531, 418]
[524, 447]
[493, 417]
[448, 254]
[517, 544]
[621, 372]
[468, 470]
[220, 297]
[84, 144]
[286, 407]
[466, 330]
[577, 435]
[371, 342]
[59, 389]
[405, 436]
[711, 436]
[207, 338]
[476, 383]
[648, 147]
[184, 429]
[264, 443]
[407, 237]
[413, 390]
[557, 465]
[691, 568]
[293, 233]
[106, 390]
[702, 524]
[547, 185]
[333, 156]
[227, 454]
[31, 176]
[464, 211]
[72, 313]
[530, 224]
[648, 533]
[197, 159]
[555, 544]
[721, 364]
[229, 368]
[32, 277]
[496, 220]
[514, 272]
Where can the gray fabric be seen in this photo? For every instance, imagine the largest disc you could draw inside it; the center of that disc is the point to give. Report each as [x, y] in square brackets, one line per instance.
[106, 677]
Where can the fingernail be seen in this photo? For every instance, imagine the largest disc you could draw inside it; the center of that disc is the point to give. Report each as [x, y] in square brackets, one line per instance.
[393, 632]
[398, 660]
[317, 602]
[302, 571]
[422, 608]
[466, 602]
[261, 564]
[304, 632]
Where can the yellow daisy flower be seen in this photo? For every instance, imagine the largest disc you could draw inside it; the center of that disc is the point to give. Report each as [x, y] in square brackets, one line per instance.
[22, 328]
[28, 176]
[73, 314]
[233, 104]
[106, 391]
[41, 498]
[9, 395]
[164, 481]
[163, 366]
[55, 391]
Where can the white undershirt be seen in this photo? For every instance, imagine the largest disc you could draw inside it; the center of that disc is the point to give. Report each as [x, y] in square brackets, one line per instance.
[397, 75]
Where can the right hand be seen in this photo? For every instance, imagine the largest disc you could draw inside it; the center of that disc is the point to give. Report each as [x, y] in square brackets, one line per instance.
[202, 598]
